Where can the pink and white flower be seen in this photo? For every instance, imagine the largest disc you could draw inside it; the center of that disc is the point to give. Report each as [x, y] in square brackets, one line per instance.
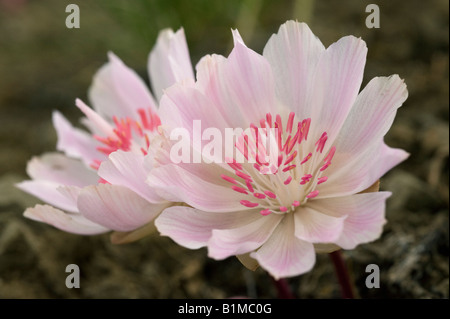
[98, 184]
[331, 148]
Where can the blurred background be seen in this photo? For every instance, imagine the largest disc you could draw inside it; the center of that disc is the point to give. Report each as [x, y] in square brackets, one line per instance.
[44, 66]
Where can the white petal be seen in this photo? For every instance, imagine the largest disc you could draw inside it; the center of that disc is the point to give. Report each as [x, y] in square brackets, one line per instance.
[127, 169]
[353, 174]
[169, 61]
[293, 54]
[48, 192]
[365, 219]
[315, 227]
[118, 91]
[116, 207]
[71, 223]
[242, 239]
[192, 228]
[61, 169]
[74, 142]
[372, 115]
[336, 85]
[284, 255]
[179, 185]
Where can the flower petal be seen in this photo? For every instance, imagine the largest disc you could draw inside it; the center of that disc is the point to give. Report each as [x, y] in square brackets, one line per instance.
[372, 114]
[74, 142]
[116, 207]
[72, 223]
[127, 169]
[315, 227]
[61, 169]
[118, 91]
[94, 120]
[293, 54]
[169, 61]
[179, 185]
[192, 228]
[366, 169]
[48, 192]
[284, 255]
[365, 219]
[243, 239]
[336, 85]
[361, 154]
[50, 172]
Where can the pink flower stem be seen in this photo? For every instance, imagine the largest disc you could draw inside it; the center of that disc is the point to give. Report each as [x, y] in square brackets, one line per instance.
[283, 289]
[342, 275]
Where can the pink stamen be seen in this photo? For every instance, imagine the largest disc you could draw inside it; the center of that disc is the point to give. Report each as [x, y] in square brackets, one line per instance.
[290, 122]
[247, 203]
[233, 164]
[295, 203]
[249, 186]
[144, 119]
[289, 168]
[265, 212]
[290, 158]
[312, 194]
[306, 124]
[270, 194]
[322, 180]
[280, 159]
[278, 123]
[269, 119]
[305, 179]
[283, 209]
[324, 167]
[321, 142]
[229, 179]
[288, 180]
[259, 195]
[243, 175]
[330, 155]
[306, 158]
[239, 190]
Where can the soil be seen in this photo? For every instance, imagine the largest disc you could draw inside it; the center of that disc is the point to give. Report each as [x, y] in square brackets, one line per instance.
[45, 66]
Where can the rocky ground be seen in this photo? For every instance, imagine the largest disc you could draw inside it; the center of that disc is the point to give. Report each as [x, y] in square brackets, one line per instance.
[45, 66]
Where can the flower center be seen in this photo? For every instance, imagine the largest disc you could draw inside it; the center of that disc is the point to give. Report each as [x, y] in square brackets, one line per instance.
[282, 176]
[130, 135]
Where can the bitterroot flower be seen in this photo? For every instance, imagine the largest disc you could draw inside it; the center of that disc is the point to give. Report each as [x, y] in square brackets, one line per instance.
[98, 183]
[329, 138]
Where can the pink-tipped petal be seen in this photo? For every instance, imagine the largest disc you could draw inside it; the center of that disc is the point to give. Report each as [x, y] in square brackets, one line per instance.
[74, 142]
[177, 184]
[48, 192]
[336, 85]
[316, 227]
[372, 115]
[284, 255]
[363, 172]
[127, 169]
[118, 91]
[293, 54]
[116, 207]
[96, 122]
[365, 216]
[53, 170]
[169, 61]
[243, 239]
[61, 169]
[72, 223]
[192, 228]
